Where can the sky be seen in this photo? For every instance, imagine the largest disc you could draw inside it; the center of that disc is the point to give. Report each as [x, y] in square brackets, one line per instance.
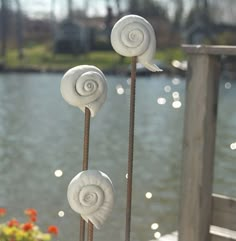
[41, 8]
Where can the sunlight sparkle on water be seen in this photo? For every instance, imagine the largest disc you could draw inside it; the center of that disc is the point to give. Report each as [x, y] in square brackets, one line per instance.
[154, 226]
[176, 104]
[148, 195]
[58, 173]
[228, 85]
[175, 95]
[120, 90]
[61, 214]
[233, 146]
[167, 88]
[157, 235]
[175, 81]
[161, 101]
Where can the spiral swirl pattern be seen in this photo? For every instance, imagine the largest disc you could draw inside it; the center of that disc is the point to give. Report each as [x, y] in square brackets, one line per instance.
[132, 36]
[91, 194]
[84, 86]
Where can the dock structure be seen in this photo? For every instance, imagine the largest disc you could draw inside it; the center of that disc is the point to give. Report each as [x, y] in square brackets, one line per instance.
[204, 216]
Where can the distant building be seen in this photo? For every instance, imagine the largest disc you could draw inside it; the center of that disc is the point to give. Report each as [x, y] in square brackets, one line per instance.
[202, 28]
[198, 27]
[198, 33]
[71, 37]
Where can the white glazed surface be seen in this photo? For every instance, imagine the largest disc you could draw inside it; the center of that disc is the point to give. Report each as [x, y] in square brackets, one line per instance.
[133, 36]
[84, 86]
[91, 194]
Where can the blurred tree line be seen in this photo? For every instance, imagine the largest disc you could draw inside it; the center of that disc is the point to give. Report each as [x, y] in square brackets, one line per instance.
[6, 16]
[13, 21]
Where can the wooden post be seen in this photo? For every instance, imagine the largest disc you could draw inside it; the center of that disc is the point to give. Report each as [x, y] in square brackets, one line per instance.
[199, 144]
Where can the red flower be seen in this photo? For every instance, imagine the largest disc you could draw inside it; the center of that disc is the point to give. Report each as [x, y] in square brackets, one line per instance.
[33, 219]
[32, 214]
[53, 229]
[13, 223]
[27, 226]
[3, 211]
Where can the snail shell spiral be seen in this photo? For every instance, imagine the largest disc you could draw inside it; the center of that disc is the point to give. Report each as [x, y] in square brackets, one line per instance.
[133, 36]
[84, 86]
[90, 193]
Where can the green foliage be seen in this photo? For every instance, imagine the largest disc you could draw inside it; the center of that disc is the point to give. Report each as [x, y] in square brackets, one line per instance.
[169, 54]
[41, 57]
[225, 38]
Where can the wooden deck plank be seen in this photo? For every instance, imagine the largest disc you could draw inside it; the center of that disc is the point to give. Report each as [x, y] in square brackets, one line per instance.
[217, 234]
[222, 234]
[169, 237]
[210, 49]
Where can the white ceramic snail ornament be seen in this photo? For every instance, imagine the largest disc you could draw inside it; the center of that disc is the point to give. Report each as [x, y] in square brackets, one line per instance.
[91, 194]
[133, 36]
[84, 86]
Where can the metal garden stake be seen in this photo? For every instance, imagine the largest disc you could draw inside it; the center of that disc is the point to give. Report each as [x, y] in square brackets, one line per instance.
[133, 36]
[90, 193]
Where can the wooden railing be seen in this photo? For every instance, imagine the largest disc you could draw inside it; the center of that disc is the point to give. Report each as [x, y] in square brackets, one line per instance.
[203, 216]
[224, 212]
[199, 209]
[223, 218]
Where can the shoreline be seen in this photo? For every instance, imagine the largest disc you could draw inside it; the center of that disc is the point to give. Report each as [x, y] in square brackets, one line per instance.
[111, 71]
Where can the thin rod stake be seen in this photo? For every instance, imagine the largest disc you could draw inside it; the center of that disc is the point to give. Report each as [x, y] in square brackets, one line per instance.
[86, 138]
[85, 161]
[82, 229]
[90, 231]
[131, 149]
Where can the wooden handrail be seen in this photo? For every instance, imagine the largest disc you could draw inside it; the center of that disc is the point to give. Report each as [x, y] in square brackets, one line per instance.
[210, 49]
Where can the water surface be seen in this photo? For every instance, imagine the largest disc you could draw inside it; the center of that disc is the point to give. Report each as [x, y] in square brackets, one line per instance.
[40, 134]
